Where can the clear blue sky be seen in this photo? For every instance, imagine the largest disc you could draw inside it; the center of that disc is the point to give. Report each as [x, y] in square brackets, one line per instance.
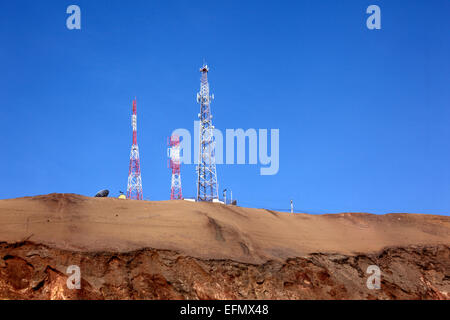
[363, 115]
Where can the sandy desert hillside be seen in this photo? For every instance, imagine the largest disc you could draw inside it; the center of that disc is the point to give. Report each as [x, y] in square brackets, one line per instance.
[184, 250]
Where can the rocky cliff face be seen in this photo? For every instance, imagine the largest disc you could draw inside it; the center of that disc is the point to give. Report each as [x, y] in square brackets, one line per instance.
[35, 271]
[183, 250]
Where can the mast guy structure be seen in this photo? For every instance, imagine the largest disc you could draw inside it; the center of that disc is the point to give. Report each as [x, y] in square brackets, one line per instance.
[134, 188]
[175, 164]
[207, 186]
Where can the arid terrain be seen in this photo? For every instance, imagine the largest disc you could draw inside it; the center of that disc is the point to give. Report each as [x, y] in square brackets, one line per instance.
[184, 250]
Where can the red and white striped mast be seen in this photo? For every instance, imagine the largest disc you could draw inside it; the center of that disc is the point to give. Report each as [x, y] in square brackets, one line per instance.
[174, 165]
[134, 188]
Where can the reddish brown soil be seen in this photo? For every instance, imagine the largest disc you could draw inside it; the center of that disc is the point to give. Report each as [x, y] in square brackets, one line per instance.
[182, 250]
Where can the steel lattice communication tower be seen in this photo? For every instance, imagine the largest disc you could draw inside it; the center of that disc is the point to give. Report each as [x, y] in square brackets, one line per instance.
[175, 164]
[134, 188]
[207, 186]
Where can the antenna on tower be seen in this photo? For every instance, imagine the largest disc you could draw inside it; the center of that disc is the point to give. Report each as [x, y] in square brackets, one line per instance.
[207, 186]
[134, 187]
[175, 164]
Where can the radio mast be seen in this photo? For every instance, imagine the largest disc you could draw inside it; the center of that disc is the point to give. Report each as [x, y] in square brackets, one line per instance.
[134, 188]
[207, 186]
[174, 165]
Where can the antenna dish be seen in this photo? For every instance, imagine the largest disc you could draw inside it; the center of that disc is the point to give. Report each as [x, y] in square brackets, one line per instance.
[102, 194]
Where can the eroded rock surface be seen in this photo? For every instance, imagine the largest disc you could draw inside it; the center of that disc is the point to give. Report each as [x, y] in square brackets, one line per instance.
[35, 271]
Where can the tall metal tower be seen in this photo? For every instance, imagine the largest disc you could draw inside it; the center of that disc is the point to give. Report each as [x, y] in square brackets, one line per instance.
[134, 188]
[207, 186]
[175, 164]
